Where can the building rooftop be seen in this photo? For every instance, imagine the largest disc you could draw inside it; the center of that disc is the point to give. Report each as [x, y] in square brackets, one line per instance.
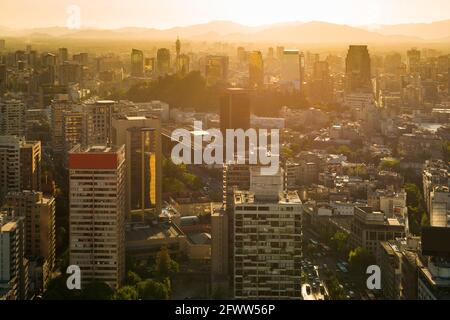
[152, 232]
[247, 197]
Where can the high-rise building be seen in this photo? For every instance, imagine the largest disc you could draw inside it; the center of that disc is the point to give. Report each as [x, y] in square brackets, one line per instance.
[38, 212]
[137, 63]
[220, 243]
[216, 70]
[434, 264]
[76, 129]
[393, 63]
[2, 44]
[292, 69]
[97, 194]
[241, 55]
[63, 55]
[59, 106]
[13, 271]
[235, 110]
[357, 69]
[256, 69]
[163, 61]
[30, 165]
[321, 88]
[12, 117]
[9, 165]
[70, 72]
[142, 139]
[267, 240]
[413, 61]
[3, 77]
[100, 115]
[280, 53]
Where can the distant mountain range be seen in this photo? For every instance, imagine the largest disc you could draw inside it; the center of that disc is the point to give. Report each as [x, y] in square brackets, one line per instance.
[294, 32]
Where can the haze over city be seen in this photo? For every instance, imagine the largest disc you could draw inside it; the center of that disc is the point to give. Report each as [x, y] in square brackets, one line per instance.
[107, 14]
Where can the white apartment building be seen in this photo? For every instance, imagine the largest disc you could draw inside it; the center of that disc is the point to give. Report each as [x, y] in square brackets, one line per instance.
[267, 240]
[97, 213]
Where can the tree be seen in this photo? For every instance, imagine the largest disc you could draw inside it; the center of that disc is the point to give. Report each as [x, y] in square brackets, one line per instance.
[97, 290]
[446, 150]
[417, 215]
[339, 243]
[132, 278]
[359, 259]
[152, 290]
[126, 293]
[390, 164]
[165, 266]
[56, 289]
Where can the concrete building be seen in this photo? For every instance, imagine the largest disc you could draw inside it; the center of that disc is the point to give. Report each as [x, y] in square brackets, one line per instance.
[220, 271]
[38, 212]
[267, 240]
[9, 165]
[391, 203]
[292, 69]
[58, 107]
[398, 263]
[101, 113]
[434, 264]
[13, 271]
[216, 70]
[97, 194]
[12, 117]
[435, 173]
[440, 207]
[369, 227]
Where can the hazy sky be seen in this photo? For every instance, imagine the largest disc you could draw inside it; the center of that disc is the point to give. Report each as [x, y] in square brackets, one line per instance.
[169, 13]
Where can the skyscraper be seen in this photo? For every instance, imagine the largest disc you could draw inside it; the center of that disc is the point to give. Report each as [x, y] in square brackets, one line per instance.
[256, 69]
[235, 110]
[97, 177]
[30, 165]
[413, 61]
[63, 55]
[3, 77]
[137, 63]
[142, 139]
[292, 69]
[216, 70]
[358, 74]
[163, 61]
